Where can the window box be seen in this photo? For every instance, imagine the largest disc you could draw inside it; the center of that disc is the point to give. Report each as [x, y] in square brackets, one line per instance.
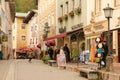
[77, 10]
[60, 18]
[71, 13]
[66, 16]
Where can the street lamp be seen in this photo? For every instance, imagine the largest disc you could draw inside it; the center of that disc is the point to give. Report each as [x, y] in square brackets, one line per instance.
[47, 30]
[108, 14]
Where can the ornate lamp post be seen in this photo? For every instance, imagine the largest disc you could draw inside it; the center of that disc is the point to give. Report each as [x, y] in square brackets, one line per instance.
[108, 14]
[47, 30]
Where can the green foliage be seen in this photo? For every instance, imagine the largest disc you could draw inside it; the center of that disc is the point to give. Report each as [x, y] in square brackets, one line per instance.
[24, 5]
[75, 53]
[45, 59]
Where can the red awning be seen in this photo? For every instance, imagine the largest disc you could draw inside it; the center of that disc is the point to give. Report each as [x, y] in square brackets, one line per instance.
[50, 42]
[26, 49]
[19, 51]
[34, 48]
[56, 36]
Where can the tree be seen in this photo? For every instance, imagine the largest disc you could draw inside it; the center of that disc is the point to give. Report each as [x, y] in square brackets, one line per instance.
[24, 5]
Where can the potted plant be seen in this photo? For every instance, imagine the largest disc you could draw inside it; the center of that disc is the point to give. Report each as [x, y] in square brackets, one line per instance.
[77, 10]
[66, 16]
[71, 13]
[60, 18]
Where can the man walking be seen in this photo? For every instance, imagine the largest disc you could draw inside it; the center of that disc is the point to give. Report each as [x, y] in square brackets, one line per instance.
[67, 53]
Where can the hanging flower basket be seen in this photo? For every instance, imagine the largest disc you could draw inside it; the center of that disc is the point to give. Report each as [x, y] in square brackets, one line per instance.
[60, 18]
[71, 13]
[66, 16]
[77, 10]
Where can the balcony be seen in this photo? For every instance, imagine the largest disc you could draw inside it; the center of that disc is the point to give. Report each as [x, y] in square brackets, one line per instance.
[44, 36]
[62, 30]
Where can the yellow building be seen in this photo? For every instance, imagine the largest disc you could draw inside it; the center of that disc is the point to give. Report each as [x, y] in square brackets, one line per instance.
[21, 31]
[47, 14]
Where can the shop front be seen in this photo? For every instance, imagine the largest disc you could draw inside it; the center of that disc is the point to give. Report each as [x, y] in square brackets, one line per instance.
[76, 40]
[92, 32]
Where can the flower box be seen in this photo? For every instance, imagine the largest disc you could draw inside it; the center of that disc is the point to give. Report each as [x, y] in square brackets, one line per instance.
[71, 13]
[60, 18]
[77, 10]
[66, 16]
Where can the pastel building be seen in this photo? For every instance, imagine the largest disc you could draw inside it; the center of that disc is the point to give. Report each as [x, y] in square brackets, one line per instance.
[46, 14]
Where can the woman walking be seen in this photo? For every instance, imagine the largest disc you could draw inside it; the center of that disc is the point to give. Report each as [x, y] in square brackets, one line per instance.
[61, 59]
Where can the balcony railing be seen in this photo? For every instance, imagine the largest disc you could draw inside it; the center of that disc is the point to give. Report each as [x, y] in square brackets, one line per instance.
[62, 30]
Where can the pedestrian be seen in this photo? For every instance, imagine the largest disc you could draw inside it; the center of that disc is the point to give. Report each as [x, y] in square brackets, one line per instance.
[57, 51]
[82, 55]
[61, 59]
[30, 56]
[50, 52]
[1, 55]
[67, 52]
[8, 56]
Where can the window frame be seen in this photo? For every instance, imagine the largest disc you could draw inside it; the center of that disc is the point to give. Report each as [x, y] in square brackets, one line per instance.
[116, 3]
[98, 7]
[23, 37]
[23, 25]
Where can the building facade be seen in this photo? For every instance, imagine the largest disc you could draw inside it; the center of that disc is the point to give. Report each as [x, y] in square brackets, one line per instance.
[7, 18]
[97, 26]
[70, 21]
[21, 31]
[47, 14]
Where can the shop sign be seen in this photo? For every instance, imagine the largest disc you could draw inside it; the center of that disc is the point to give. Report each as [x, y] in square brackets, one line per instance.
[78, 26]
[4, 38]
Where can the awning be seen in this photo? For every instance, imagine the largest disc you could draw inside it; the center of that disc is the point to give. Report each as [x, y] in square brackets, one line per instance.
[19, 51]
[56, 36]
[26, 49]
[50, 42]
[34, 48]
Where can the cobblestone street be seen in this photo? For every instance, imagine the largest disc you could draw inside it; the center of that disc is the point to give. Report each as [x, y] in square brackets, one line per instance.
[22, 70]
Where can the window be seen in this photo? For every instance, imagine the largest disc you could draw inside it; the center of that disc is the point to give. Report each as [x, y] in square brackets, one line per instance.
[61, 9]
[49, 20]
[13, 37]
[36, 27]
[36, 40]
[79, 3]
[117, 3]
[23, 38]
[97, 6]
[73, 4]
[67, 7]
[23, 26]
[31, 28]
[52, 18]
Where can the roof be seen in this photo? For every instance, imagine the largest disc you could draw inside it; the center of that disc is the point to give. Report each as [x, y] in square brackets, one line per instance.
[30, 14]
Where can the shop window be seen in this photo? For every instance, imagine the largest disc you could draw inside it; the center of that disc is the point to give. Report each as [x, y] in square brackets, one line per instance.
[88, 44]
[97, 6]
[73, 38]
[117, 3]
